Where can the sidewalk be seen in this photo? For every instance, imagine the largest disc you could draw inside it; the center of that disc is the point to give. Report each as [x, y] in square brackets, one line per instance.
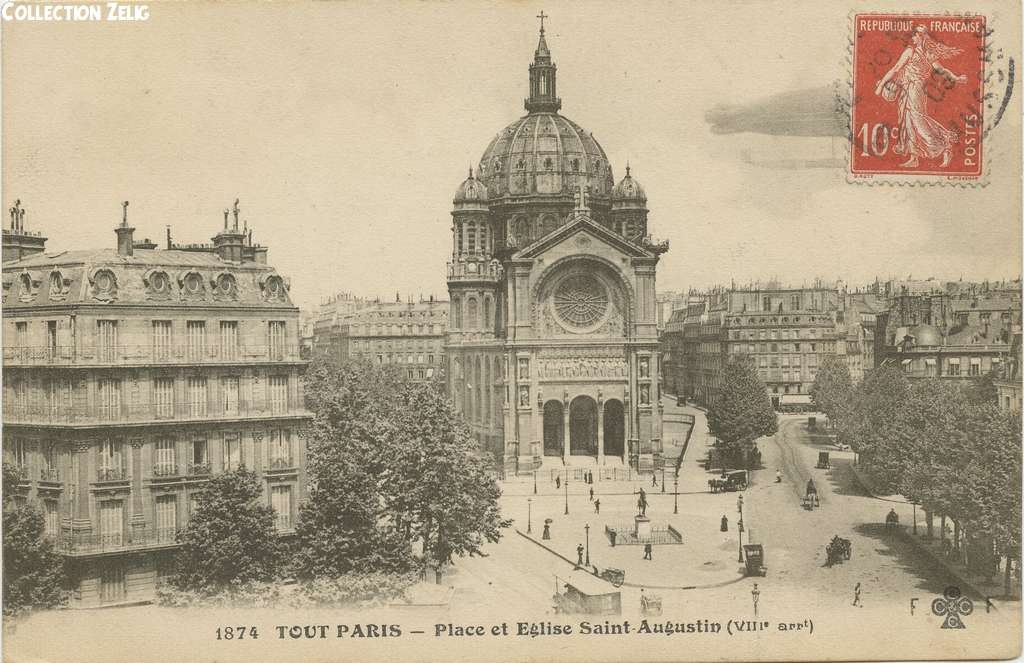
[933, 548]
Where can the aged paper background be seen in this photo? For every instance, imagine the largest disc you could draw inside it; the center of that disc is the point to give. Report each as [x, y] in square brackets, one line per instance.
[345, 127]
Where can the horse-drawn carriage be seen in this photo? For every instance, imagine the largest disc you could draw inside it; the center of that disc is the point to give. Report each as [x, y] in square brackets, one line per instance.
[730, 481]
[755, 559]
[837, 550]
[823, 461]
[810, 499]
[582, 592]
[615, 576]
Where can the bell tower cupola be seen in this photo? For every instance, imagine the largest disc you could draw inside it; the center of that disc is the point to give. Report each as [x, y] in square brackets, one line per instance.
[543, 97]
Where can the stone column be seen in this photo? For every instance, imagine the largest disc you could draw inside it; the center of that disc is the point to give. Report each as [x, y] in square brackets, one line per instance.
[138, 517]
[565, 428]
[600, 428]
[81, 460]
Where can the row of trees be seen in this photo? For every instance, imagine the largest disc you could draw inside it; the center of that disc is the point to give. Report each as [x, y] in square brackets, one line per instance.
[396, 485]
[741, 414]
[941, 444]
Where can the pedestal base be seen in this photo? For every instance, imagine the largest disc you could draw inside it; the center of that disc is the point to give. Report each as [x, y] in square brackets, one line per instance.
[642, 528]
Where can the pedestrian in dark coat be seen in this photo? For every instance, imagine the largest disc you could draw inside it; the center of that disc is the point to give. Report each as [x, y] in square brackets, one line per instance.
[647, 551]
[591, 494]
[579, 555]
[558, 482]
[547, 532]
[597, 505]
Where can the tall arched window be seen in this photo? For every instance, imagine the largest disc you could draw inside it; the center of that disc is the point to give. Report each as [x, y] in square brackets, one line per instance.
[456, 313]
[488, 313]
[472, 314]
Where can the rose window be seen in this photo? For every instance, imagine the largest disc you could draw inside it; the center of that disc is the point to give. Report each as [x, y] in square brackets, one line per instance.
[581, 301]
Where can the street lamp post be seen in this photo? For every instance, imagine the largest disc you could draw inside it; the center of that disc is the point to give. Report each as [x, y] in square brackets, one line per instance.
[567, 493]
[755, 594]
[529, 515]
[587, 528]
[675, 496]
[663, 477]
[535, 482]
[739, 506]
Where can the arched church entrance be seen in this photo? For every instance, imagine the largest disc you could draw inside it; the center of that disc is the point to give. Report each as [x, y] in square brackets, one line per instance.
[583, 426]
[554, 428]
[614, 428]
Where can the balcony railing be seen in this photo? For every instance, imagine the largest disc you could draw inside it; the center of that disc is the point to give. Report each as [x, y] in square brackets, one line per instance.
[126, 540]
[198, 469]
[104, 414]
[111, 474]
[281, 464]
[49, 474]
[89, 355]
[165, 470]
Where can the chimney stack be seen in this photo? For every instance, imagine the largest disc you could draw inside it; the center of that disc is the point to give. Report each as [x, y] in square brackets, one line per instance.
[125, 244]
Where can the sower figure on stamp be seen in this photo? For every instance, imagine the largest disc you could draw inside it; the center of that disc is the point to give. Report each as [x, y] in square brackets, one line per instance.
[920, 135]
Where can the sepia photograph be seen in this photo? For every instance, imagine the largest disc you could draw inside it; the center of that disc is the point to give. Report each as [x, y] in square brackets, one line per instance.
[511, 331]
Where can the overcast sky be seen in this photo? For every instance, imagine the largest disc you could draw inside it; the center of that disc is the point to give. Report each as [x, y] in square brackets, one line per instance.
[345, 128]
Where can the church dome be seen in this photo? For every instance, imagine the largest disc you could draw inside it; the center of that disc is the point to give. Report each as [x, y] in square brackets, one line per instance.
[926, 335]
[545, 153]
[628, 190]
[471, 190]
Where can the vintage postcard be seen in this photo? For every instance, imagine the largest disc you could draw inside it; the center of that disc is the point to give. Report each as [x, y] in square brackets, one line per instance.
[517, 331]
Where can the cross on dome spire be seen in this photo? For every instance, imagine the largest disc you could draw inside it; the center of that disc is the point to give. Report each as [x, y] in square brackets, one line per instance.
[542, 77]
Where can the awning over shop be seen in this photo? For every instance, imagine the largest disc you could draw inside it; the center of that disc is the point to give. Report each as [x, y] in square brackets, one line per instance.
[954, 360]
[905, 362]
[975, 361]
[929, 361]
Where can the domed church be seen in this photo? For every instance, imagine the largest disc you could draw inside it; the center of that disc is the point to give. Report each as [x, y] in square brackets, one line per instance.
[552, 341]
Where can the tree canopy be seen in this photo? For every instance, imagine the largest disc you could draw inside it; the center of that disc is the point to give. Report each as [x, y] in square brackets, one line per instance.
[230, 540]
[34, 575]
[743, 411]
[392, 467]
[832, 390]
[943, 447]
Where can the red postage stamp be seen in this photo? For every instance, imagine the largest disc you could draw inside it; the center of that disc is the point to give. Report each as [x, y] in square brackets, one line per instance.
[918, 93]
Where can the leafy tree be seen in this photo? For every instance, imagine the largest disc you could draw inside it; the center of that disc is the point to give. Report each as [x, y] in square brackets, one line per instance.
[991, 480]
[441, 488]
[343, 527]
[983, 390]
[230, 540]
[34, 575]
[832, 390]
[391, 465]
[743, 411]
[870, 428]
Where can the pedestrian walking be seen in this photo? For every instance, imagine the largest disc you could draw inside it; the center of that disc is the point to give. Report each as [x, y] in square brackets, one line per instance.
[579, 555]
[597, 505]
[725, 524]
[856, 596]
[647, 551]
[591, 494]
[558, 481]
[547, 532]
[654, 480]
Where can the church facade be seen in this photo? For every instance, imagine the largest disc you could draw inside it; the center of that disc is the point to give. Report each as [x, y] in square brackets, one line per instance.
[552, 338]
